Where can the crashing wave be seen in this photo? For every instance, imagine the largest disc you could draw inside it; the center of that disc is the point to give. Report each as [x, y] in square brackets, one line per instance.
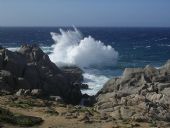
[72, 48]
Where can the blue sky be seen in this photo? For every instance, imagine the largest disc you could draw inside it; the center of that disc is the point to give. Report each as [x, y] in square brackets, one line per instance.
[85, 13]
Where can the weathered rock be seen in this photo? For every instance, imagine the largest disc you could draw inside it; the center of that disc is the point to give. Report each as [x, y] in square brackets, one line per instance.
[30, 68]
[81, 86]
[57, 99]
[74, 95]
[7, 80]
[84, 86]
[32, 76]
[23, 83]
[85, 118]
[141, 94]
[13, 62]
[140, 118]
[1, 59]
[87, 100]
[165, 70]
[20, 92]
[36, 92]
[73, 73]
[103, 116]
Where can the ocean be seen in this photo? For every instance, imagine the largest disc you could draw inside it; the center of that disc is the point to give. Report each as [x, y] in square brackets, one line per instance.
[102, 53]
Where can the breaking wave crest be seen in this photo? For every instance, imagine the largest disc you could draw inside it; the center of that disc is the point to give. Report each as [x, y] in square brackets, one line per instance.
[71, 48]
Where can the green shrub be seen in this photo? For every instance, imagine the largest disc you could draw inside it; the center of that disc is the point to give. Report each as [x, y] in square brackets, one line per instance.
[8, 117]
[28, 120]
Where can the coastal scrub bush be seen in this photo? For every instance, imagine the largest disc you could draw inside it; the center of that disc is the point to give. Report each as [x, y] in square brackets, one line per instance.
[8, 117]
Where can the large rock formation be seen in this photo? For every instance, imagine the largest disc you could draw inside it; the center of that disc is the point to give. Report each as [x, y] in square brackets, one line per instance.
[31, 68]
[73, 73]
[141, 94]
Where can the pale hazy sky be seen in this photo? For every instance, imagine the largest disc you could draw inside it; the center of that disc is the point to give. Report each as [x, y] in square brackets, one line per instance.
[85, 13]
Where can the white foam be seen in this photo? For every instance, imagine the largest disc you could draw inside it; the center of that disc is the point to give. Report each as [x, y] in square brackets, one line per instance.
[46, 49]
[13, 49]
[148, 46]
[95, 83]
[72, 48]
[157, 67]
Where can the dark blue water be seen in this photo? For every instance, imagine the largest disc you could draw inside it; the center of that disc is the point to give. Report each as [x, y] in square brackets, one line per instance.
[136, 46]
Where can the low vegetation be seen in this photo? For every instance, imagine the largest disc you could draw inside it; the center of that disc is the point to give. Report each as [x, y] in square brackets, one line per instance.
[27, 103]
[8, 117]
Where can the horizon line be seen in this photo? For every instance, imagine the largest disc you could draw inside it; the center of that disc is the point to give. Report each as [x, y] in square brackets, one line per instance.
[85, 26]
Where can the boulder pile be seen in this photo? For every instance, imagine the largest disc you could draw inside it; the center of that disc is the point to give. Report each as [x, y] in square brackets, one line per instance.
[141, 94]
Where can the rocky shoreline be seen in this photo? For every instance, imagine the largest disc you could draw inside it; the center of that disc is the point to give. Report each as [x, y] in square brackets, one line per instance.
[141, 94]
[29, 81]
[30, 68]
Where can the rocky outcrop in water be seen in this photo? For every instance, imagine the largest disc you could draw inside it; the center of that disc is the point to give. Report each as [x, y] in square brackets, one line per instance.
[31, 68]
[141, 94]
